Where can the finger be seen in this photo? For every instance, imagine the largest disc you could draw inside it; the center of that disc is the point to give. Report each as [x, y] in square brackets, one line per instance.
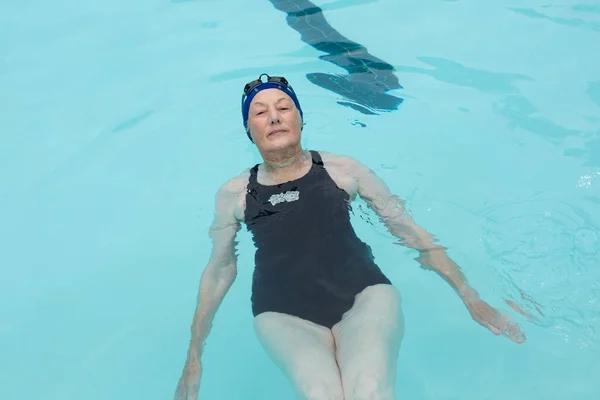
[179, 392]
[489, 326]
[192, 393]
[507, 328]
[487, 322]
[496, 324]
[499, 324]
[493, 329]
[188, 394]
[515, 334]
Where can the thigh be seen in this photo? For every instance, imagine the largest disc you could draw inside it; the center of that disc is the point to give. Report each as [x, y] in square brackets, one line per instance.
[304, 351]
[368, 342]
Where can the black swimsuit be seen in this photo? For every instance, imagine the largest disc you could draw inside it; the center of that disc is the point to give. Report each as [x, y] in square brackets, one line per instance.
[309, 261]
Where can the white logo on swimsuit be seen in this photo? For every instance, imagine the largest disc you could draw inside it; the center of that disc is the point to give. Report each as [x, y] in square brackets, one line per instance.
[287, 196]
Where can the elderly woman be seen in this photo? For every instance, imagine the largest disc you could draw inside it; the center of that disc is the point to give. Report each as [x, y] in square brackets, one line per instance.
[324, 311]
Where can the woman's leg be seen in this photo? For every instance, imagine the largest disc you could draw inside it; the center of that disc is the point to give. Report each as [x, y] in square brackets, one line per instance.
[368, 342]
[304, 351]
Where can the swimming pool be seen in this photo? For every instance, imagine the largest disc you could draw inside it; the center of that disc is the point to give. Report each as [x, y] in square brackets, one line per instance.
[119, 121]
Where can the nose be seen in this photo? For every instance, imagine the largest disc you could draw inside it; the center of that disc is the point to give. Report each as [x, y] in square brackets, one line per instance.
[274, 115]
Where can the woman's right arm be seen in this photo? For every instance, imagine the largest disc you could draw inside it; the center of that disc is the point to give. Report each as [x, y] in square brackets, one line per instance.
[217, 278]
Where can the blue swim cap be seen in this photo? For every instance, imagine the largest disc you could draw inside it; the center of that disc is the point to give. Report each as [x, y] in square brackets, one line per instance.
[256, 86]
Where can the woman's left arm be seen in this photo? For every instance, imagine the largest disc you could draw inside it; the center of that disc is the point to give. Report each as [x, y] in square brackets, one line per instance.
[393, 214]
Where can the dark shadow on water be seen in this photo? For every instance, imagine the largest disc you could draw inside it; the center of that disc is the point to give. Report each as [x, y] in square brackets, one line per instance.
[594, 92]
[452, 72]
[571, 22]
[368, 78]
[521, 114]
[133, 121]
[340, 4]
[589, 8]
[591, 152]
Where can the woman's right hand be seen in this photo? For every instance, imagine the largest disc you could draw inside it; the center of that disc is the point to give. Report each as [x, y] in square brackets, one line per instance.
[189, 383]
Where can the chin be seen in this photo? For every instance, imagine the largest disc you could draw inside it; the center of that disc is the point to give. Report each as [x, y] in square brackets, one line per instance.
[282, 141]
[285, 138]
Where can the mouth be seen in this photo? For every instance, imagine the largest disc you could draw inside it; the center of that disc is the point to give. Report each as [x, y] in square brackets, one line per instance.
[277, 131]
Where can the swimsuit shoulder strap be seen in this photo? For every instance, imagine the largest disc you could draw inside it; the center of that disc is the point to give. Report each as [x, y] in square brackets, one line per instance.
[316, 157]
[253, 175]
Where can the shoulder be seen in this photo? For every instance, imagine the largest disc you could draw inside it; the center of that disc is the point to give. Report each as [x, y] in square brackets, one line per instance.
[231, 196]
[343, 163]
[234, 186]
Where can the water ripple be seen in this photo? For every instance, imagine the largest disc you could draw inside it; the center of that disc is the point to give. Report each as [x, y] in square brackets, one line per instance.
[547, 252]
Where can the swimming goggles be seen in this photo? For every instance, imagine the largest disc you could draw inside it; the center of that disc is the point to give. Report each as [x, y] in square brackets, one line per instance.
[250, 86]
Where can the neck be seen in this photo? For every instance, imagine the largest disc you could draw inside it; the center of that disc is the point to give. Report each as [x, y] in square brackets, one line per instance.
[286, 161]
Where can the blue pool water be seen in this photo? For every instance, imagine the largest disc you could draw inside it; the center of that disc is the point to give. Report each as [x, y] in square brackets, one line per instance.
[119, 120]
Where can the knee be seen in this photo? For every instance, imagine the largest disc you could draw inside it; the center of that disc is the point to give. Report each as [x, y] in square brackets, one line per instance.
[321, 391]
[368, 386]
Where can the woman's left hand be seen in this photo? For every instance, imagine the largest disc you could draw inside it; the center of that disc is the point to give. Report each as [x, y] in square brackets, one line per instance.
[492, 319]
